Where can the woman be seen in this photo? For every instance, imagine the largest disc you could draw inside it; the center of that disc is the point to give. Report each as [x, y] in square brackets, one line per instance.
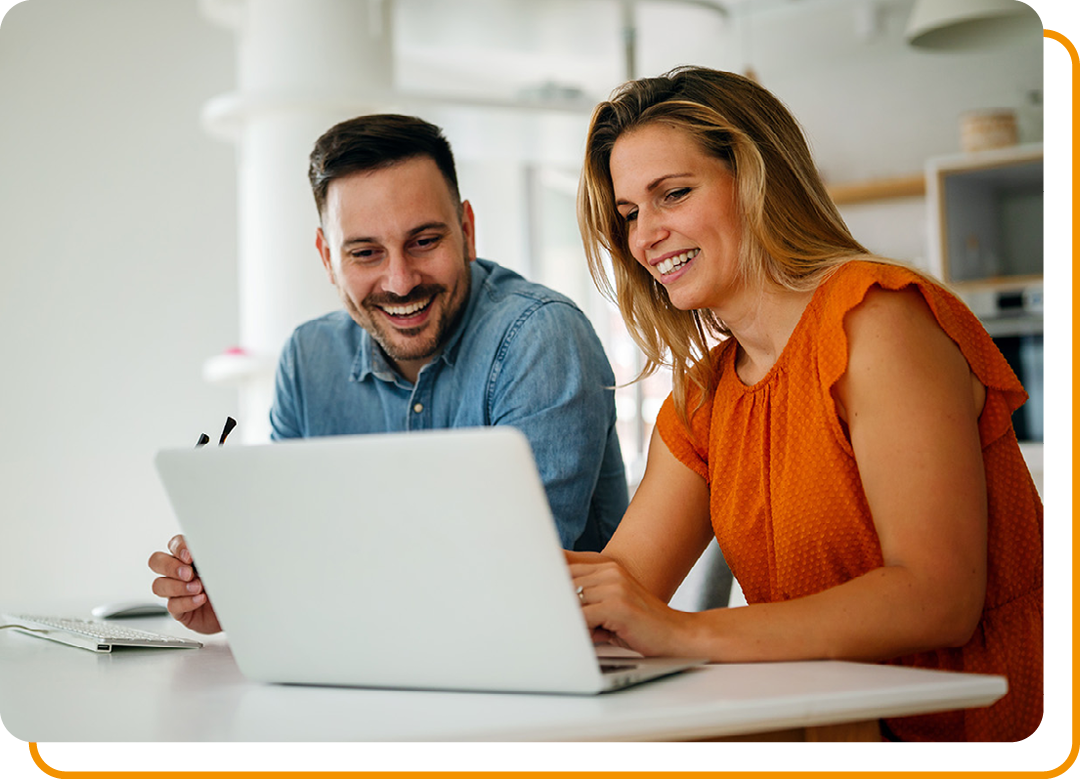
[848, 440]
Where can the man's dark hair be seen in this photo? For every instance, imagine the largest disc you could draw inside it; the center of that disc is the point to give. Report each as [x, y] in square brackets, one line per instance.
[376, 141]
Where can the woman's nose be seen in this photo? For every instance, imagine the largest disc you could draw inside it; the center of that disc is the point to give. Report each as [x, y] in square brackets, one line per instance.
[648, 230]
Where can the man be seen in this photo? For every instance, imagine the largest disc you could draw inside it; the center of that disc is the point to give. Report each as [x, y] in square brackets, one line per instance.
[432, 337]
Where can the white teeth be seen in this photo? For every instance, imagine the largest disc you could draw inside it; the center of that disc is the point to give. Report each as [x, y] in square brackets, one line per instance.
[412, 308]
[671, 263]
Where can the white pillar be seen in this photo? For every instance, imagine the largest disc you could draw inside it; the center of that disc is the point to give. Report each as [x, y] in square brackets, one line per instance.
[303, 65]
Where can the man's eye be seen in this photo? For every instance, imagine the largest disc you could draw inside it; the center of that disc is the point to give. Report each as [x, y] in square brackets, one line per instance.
[427, 242]
[364, 255]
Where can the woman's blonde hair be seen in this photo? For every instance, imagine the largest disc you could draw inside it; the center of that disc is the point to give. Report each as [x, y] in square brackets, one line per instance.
[792, 236]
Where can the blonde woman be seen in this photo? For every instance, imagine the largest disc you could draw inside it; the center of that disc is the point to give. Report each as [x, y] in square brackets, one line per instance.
[840, 423]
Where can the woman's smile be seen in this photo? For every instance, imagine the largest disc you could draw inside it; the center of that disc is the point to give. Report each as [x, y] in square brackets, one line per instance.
[669, 266]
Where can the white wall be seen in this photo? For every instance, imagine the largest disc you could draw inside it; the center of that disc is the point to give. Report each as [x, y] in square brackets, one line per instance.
[117, 231]
[117, 245]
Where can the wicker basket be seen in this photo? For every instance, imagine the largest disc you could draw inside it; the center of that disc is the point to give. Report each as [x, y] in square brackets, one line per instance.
[987, 129]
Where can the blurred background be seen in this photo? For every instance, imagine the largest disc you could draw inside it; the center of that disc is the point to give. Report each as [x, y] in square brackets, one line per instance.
[157, 230]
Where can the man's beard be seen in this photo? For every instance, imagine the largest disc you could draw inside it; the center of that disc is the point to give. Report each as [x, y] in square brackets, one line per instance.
[408, 345]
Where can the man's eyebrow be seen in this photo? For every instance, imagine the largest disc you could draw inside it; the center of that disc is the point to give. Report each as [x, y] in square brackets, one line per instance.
[441, 226]
[652, 185]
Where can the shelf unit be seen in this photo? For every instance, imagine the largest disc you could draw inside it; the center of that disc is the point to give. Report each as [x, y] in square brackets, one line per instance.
[985, 218]
[986, 241]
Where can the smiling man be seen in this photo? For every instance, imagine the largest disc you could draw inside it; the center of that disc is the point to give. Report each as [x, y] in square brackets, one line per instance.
[396, 246]
[432, 337]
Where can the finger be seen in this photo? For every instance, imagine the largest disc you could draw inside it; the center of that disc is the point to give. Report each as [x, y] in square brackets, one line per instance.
[599, 566]
[580, 592]
[597, 617]
[589, 589]
[589, 577]
[590, 593]
[163, 563]
[581, 571]
[167, 565]
[180, 606]
[178, 546]
[601, 636]
[173, 588]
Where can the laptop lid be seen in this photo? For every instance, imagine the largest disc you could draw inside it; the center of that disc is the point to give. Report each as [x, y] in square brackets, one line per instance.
[424, 560]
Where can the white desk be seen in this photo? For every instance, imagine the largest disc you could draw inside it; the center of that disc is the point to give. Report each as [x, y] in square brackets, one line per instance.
[50, 692]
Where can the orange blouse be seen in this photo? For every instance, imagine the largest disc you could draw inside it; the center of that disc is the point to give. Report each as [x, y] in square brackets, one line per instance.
[789, 511]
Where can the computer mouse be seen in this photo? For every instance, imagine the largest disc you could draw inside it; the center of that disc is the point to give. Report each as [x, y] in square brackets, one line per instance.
[129, 608]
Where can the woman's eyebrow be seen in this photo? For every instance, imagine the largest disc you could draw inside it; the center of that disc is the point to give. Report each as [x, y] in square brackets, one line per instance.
[652, 185]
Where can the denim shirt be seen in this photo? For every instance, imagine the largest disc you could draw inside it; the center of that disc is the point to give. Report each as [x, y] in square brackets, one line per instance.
[521, 355]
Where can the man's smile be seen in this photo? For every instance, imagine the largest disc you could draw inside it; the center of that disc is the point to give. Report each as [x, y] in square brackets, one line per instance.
[406, 310]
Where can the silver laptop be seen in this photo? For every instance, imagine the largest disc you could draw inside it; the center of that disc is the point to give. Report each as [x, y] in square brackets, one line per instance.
[419, 561]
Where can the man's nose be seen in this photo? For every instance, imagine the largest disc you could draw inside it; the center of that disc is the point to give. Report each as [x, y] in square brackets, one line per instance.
[401, 277]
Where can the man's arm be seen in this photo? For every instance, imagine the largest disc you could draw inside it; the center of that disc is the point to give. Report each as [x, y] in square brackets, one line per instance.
[284, 414]
[553, 382]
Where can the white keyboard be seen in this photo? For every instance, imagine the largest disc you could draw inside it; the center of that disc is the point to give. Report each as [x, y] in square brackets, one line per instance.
[95, 635]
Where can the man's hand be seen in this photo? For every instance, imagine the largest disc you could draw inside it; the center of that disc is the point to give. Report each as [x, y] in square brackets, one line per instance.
[187, 601]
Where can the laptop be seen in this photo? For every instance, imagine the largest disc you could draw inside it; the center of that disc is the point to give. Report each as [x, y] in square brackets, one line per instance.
[424, 560]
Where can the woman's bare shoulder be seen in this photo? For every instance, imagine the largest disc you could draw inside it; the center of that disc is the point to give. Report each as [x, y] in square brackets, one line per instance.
[895, 344]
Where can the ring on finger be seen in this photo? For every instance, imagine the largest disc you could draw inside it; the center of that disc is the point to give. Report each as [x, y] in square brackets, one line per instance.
[581, 593]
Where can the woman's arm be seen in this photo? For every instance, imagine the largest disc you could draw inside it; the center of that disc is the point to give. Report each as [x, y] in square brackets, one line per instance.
[667, 526]
[911, 407]
[664, 532]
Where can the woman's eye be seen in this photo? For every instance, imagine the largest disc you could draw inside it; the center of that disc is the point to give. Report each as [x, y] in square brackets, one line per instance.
[630, 216]
[676, 194]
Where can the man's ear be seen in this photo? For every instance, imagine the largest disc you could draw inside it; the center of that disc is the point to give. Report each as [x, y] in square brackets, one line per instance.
[324, 254]
[468, 228]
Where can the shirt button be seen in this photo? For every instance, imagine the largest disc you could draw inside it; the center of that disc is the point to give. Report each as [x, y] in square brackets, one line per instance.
[418, 407]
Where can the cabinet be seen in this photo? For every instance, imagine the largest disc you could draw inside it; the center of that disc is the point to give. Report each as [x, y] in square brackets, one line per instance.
[986, 243]
[986, 217]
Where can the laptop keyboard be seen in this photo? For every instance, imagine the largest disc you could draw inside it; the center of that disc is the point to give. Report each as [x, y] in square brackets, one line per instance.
[95, 635]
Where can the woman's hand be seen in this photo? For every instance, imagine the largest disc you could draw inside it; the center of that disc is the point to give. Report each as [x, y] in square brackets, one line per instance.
[179, 582]
[619, 610]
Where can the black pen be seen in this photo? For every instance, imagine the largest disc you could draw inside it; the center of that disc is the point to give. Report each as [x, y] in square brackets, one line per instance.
[204, 439]
[230, 423]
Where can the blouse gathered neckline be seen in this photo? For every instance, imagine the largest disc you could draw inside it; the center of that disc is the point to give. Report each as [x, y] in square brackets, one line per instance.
[731, 353]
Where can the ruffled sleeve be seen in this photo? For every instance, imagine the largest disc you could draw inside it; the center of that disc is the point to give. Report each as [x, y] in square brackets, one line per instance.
[849, 287]
[690, 447]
